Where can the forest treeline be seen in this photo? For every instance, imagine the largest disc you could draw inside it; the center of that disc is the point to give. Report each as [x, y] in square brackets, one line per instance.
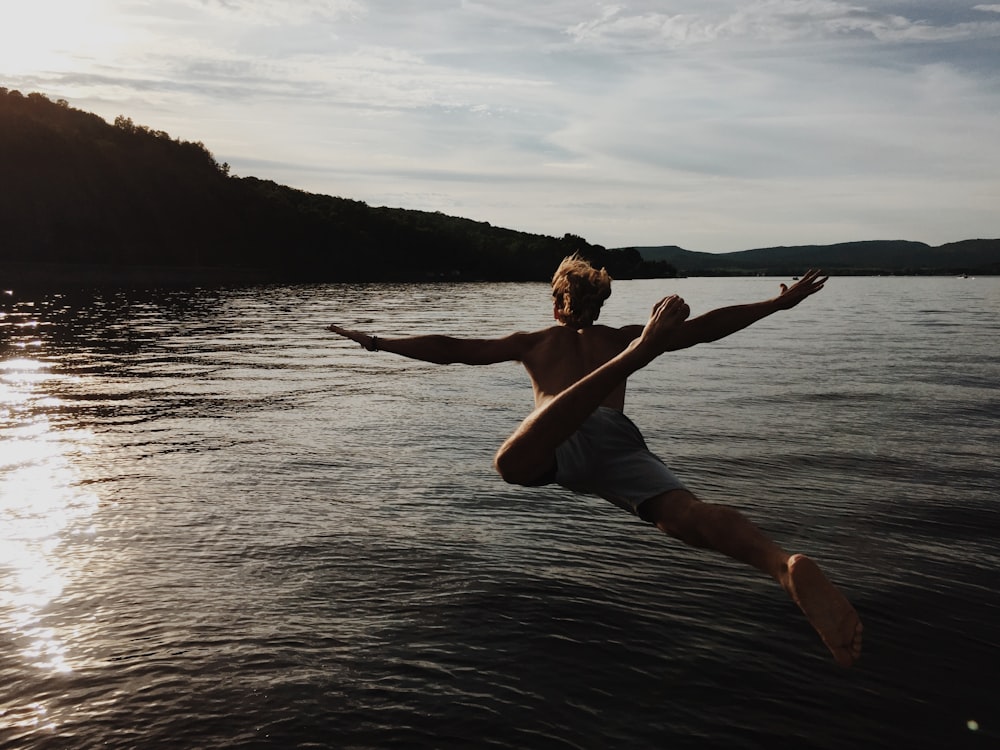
[78, 190]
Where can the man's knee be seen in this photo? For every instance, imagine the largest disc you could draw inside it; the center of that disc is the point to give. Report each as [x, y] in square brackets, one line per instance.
[514, 470]
[505, 469]
[509, 469]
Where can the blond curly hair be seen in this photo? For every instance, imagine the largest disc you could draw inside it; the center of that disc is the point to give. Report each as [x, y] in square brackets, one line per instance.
[579, 290]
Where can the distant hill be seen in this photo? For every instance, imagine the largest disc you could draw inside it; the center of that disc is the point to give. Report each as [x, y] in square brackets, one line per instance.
[861, 258]
[85, 199]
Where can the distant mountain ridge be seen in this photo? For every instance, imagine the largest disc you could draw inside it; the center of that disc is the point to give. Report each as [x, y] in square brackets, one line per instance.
[980, 256]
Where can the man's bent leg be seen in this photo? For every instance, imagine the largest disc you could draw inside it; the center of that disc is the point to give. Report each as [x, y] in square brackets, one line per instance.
[530, 451]
[680, 514]
[718, 527]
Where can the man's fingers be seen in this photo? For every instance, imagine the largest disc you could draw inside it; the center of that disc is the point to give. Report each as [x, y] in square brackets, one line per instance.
[809, 283]
[812, 277]
[670, 307]
[663, 307]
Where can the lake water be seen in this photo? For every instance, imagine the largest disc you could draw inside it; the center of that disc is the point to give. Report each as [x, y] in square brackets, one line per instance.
[222, 526]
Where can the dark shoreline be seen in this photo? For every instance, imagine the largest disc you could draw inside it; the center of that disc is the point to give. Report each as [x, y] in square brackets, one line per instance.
[48, 275]
[76, 275]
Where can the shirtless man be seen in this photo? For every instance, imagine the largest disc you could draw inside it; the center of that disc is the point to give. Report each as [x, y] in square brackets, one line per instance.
[578, 436]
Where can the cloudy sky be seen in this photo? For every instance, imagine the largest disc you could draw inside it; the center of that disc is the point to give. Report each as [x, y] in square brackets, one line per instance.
[716, 125]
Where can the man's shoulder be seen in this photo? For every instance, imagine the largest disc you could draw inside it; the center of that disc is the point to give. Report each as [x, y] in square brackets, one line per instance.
[599, 332]
[599, 328]
[594, 331]
[626, 333]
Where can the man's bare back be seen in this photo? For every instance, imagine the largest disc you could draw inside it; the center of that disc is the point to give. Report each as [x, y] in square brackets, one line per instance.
[559, 356]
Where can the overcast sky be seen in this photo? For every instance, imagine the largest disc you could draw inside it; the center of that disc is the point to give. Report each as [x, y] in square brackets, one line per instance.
[716, 125]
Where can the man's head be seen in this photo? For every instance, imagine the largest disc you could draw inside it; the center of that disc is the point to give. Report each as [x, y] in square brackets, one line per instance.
[578, 291]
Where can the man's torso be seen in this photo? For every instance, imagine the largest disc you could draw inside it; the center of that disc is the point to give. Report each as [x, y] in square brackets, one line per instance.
[562, 355]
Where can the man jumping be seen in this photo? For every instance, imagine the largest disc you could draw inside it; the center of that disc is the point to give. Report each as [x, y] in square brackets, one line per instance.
[578, 436]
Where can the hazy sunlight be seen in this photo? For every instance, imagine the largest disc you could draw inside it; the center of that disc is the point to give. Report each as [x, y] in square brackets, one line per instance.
[51, 35]
[41, 504]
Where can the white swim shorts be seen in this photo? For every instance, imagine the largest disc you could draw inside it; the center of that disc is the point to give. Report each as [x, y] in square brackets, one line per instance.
[608, 457]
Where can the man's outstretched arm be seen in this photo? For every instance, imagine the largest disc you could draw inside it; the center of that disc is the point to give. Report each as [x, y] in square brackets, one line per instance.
[724, 321]
[444, 350]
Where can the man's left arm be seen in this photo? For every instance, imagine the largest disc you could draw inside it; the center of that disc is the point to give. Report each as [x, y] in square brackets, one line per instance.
[725, 321]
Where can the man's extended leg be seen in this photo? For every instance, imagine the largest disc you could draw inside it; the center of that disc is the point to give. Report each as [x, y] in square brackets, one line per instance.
[681, 515]
[529, 452]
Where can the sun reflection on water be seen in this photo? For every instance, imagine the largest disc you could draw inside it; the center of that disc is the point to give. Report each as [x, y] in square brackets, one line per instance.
[42, 506]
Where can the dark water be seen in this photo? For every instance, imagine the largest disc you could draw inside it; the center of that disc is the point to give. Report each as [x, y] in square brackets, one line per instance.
[220, 526]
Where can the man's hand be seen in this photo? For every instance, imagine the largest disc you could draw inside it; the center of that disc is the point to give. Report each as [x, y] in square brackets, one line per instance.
[667, 314]
[792, 295]
[368, 342]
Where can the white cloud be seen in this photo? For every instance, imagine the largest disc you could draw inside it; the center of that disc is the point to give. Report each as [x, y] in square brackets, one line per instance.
[774, 21]
[280, 13]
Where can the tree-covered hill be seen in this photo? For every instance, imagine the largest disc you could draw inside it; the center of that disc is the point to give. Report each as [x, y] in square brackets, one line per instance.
[78, 191]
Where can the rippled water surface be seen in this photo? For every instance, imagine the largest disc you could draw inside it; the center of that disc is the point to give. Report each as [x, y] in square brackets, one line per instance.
[221, 526]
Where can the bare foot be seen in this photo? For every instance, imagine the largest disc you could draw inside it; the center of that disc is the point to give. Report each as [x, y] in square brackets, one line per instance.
[826, 608]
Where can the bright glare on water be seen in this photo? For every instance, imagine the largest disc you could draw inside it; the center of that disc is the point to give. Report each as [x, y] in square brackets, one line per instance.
[222, 526]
